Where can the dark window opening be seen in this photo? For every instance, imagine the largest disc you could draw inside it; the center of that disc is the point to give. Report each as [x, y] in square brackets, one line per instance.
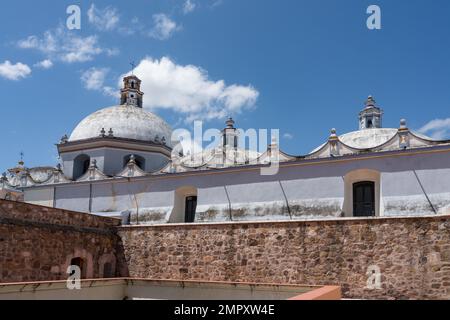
[369, 123]
[140, 161]
[80, 263]
[191, 207]
[81, 166]
[364, 199]
[107, 270]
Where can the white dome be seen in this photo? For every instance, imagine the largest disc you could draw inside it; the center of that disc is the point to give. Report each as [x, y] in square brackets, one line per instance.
[365, 139]
[368, 138]
[127, 122]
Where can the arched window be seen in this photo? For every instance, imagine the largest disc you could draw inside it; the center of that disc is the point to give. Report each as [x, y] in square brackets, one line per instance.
[140, 161]
[81, 165]
[80, 263]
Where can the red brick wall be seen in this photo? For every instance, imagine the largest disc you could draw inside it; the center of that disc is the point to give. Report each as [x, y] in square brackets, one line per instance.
[413, 254]
[37, 243]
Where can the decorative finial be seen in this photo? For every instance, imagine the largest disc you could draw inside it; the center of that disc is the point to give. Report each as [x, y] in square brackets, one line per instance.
[230, 123]
[59, 167]
[64, 139]
[21, 162]
[370, 101]
[157, 139]
[333, 134]
[274, 140]
[103, 132]
[4, 178]
[94, 164]
[163, 141]
[403, 124]
[110, 133]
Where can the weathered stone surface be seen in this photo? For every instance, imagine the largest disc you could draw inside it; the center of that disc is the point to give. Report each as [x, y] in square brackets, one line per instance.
[38, 243]
[411, 253]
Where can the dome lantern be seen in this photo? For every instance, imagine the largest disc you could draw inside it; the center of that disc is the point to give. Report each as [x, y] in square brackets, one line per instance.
[371, 116]
[131, 93]
[230, 135]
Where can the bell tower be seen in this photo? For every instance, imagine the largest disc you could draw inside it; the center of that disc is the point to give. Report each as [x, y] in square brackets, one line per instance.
[131, 93]
[371, 116]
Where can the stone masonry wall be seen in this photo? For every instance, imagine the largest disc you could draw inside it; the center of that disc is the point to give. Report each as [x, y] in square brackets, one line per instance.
[412, 254]
[38, 243]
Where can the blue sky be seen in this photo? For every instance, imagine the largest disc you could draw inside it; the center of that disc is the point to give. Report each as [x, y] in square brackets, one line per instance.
[301, 66]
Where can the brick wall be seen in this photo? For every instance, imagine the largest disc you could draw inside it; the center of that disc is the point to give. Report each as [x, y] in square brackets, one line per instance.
[38, 243]
[412, 254]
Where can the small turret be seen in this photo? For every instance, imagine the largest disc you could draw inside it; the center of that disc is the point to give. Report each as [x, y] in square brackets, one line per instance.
[371, 116]
[131, 93]
[230, 135]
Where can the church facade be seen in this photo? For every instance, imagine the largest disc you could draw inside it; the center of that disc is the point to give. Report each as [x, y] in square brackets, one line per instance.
[121, 162]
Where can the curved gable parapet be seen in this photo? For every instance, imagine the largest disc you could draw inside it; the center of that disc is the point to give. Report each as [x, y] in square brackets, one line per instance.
[333, 148]
[267, 157]
[320, 152]
[93, 174]
[57, 177]
[175, 167]
[425, 140]
[131, 170]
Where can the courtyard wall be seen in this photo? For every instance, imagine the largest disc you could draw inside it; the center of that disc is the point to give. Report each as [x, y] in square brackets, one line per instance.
[410, 256]
[38, 243]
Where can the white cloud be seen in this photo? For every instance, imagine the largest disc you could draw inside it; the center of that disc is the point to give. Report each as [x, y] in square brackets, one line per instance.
[189, 91]
[44, 64]
[94, 79]
[106, 19]
[288, 136]
[216, 3]
[164, 27]
[188, 6]
[438, 129]
[14, 71]
[64, 46]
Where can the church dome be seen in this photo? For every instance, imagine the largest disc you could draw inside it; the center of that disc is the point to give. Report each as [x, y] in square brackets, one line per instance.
[368, 138]
[365, 139]
[127, 122]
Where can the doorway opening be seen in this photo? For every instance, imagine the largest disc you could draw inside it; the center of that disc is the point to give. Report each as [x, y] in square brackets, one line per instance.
[190, 209]
[80, 263]
[364, 199]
